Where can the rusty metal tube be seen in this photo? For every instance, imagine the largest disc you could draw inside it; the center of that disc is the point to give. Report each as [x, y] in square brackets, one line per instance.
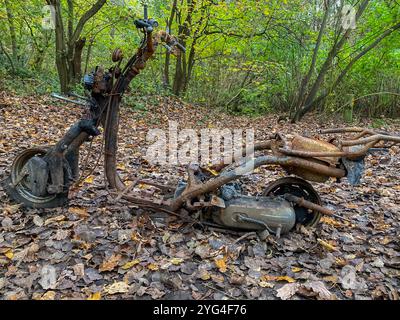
[308, 204]
[211, 185]
[314, 154]
[375, 138]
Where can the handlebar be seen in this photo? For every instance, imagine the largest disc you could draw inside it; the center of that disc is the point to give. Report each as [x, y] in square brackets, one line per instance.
[149, 24]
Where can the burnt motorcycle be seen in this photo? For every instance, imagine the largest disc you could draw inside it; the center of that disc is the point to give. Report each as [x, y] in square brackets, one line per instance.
[41, 177]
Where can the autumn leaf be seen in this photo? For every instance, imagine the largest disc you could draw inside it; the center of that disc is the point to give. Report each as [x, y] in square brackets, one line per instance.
[333, 279]
[285, 278]
[176, 261]
[219, 278]
[152, 266]
[89, 180]
[296, 269]
[130, 264]
[121, 167]
[117, 287]
[351, 206]
[326, 245]
[111, 263]
[11, 209]
[9, 254]
[81, 212]
[49, 295]
[95, 296]
[53, 220]
[330, 221]
[279, 278]
[265, 284]
[221, 264]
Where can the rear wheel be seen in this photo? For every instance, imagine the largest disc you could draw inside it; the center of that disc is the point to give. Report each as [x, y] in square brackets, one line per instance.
[18, 188]
[299, 188]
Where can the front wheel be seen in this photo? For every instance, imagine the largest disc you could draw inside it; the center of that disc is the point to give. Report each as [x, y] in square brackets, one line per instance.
[18, 184]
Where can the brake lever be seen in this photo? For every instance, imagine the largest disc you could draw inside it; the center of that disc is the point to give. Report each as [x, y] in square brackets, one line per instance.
[181, 47]
[169, 49]
[176, 43]
[149, 25]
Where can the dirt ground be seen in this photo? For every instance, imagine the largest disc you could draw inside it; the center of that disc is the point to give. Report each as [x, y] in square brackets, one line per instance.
[99, 248]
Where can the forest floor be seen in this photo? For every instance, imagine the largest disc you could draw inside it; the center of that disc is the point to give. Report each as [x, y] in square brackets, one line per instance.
[98, 248]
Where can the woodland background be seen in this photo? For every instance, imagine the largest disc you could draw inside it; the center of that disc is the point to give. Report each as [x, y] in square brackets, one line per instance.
[244, 57]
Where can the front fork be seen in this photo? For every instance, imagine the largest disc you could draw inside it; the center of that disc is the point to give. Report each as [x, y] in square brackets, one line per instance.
[63, 158]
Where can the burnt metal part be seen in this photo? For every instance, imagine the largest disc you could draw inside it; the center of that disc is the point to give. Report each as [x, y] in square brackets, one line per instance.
[300, 143]
[19, 185]
[38, 174]
[196, 189]
[117, 55]
[264, 213]
[299, 188]
[60, 97]
[230, 191]
[354, 170]
[308, 204]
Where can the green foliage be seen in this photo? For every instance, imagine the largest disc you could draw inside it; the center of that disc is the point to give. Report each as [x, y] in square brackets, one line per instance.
[378, 123]
[249, 57]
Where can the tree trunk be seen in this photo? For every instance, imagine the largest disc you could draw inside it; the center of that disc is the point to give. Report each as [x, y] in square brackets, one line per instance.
[306, 80]
[310, 100]
[69, 53]
[11, 26]
[165, 79]
[179, 76]
[61, 51]
[75, 66]
[8, 57]
[341, 76]
[180, 79]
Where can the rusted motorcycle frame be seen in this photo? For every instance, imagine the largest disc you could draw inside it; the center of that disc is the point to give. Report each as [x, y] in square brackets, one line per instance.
[309, 159]
[41, 177]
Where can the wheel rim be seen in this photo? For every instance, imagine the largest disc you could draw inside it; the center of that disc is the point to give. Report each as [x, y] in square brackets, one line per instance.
[299, 188]
[22, 187]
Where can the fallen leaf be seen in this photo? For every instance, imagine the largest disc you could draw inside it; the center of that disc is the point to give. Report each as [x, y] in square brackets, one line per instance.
[152, 266]
[204, 275]
[49, 295]
[79, 269]
[9, 254]
[49, 277]
[95, 296]
[330, 221]
[265, 284]
[11, 209]
[117, 287]
[81, 212]
[287, 291]
[326, 245]
[111, 263]
[176, 261]
[55, 219]
[217, 278]
[333, 279]
[130, 264]
[285, 278]
[318, 287]
[89, 180]
[278, 278]
[221, 264]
